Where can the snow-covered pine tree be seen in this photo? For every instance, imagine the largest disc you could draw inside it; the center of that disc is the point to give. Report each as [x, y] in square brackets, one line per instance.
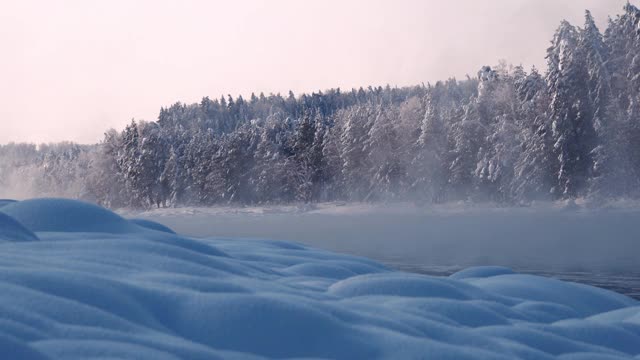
[105, 182]
[317, 160]
[332, 165]
[354, 136]
[383, 150]
[301, 170]
[428, 169]
[498, 115]
[606, 178]
[467, 137]
[150, 162]
[536, 167]
[622, 41]
[571, 112]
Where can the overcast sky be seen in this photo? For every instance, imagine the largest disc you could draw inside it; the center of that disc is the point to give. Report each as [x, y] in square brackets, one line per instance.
[71, 69]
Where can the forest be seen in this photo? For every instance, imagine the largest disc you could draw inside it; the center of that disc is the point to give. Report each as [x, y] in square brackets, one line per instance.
[507, 135]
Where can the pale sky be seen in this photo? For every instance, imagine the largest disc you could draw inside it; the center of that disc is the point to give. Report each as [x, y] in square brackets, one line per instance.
[69, 70]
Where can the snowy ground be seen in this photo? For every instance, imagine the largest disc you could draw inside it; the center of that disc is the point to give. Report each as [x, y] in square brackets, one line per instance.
[80, 282]
[568, 241]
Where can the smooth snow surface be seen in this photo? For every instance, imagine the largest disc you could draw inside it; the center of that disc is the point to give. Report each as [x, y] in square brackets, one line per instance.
[97, 286]
[152, 225]
[11, 230]
[4, 202]
[66, 216]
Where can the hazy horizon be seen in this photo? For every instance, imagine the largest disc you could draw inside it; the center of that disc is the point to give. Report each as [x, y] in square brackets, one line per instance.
[72, 69]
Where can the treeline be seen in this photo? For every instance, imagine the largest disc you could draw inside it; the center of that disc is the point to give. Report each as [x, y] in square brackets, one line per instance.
[506, 135]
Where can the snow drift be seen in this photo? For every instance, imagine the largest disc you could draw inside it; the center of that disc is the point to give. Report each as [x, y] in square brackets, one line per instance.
[11, 230]
[96, 285]
[4, 202]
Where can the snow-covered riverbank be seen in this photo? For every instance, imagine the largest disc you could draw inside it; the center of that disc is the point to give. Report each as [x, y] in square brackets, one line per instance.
[80, 282]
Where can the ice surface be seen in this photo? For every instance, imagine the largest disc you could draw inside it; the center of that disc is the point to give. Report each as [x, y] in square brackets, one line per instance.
[99, 286]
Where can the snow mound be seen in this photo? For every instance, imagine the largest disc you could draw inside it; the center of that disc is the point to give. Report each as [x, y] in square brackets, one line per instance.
[481, 272]
[584, 299]
[11, 230]
[152, 225]
[100, 286]
[62, 215]
[4, 202]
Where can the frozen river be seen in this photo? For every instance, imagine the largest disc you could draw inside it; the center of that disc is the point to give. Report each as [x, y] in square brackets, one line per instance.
[597, 247]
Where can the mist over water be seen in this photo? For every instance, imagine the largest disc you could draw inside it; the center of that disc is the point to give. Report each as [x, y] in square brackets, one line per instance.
[529, 237]
[585, 245]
